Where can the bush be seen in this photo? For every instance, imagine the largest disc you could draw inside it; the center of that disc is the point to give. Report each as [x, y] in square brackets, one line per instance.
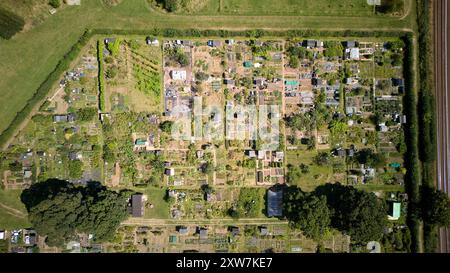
[55, 3]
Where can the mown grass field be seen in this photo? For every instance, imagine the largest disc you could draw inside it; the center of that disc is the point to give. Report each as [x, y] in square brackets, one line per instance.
[160, 210]
[30, 56]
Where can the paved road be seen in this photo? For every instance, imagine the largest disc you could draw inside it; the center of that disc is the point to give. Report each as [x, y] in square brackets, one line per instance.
[442, 79]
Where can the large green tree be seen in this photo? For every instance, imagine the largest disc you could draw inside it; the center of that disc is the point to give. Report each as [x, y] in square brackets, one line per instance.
[59, 210]
[307, 212]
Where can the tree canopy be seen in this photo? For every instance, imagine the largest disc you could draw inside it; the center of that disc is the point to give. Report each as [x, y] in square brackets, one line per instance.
[307, 212]
[436, 207]
[60, 210]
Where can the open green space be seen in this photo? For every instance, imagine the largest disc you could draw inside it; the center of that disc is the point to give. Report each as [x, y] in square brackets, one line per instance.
[288, 7]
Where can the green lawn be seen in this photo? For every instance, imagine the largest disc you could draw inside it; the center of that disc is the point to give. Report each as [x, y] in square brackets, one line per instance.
[9, 218]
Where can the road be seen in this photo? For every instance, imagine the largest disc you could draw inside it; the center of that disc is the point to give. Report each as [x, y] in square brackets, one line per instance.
[441, 9]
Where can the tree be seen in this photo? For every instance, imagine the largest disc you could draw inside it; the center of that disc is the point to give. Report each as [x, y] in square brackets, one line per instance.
[59, 210]
[435, 207]
[358, 213]
[55, 3]
[166, 126]
[307, 212]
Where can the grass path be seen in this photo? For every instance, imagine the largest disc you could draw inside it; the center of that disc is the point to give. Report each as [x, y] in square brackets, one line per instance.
[29, 57]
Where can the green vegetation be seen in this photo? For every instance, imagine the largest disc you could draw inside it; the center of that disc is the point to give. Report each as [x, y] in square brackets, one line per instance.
[55, 3]
[13, 213]
[10, 23]
[156, 197]
[391, 6]
[59, 210]
[166, 126]
[101, 78]
[177, 55]
[86, 114]
[358, 213]
[75, 169]
[267, 7]
[413, 175]
[435, 207]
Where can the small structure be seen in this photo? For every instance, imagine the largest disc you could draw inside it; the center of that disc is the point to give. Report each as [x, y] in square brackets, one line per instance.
[2, 234]
[394, 211]
[137, 205]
